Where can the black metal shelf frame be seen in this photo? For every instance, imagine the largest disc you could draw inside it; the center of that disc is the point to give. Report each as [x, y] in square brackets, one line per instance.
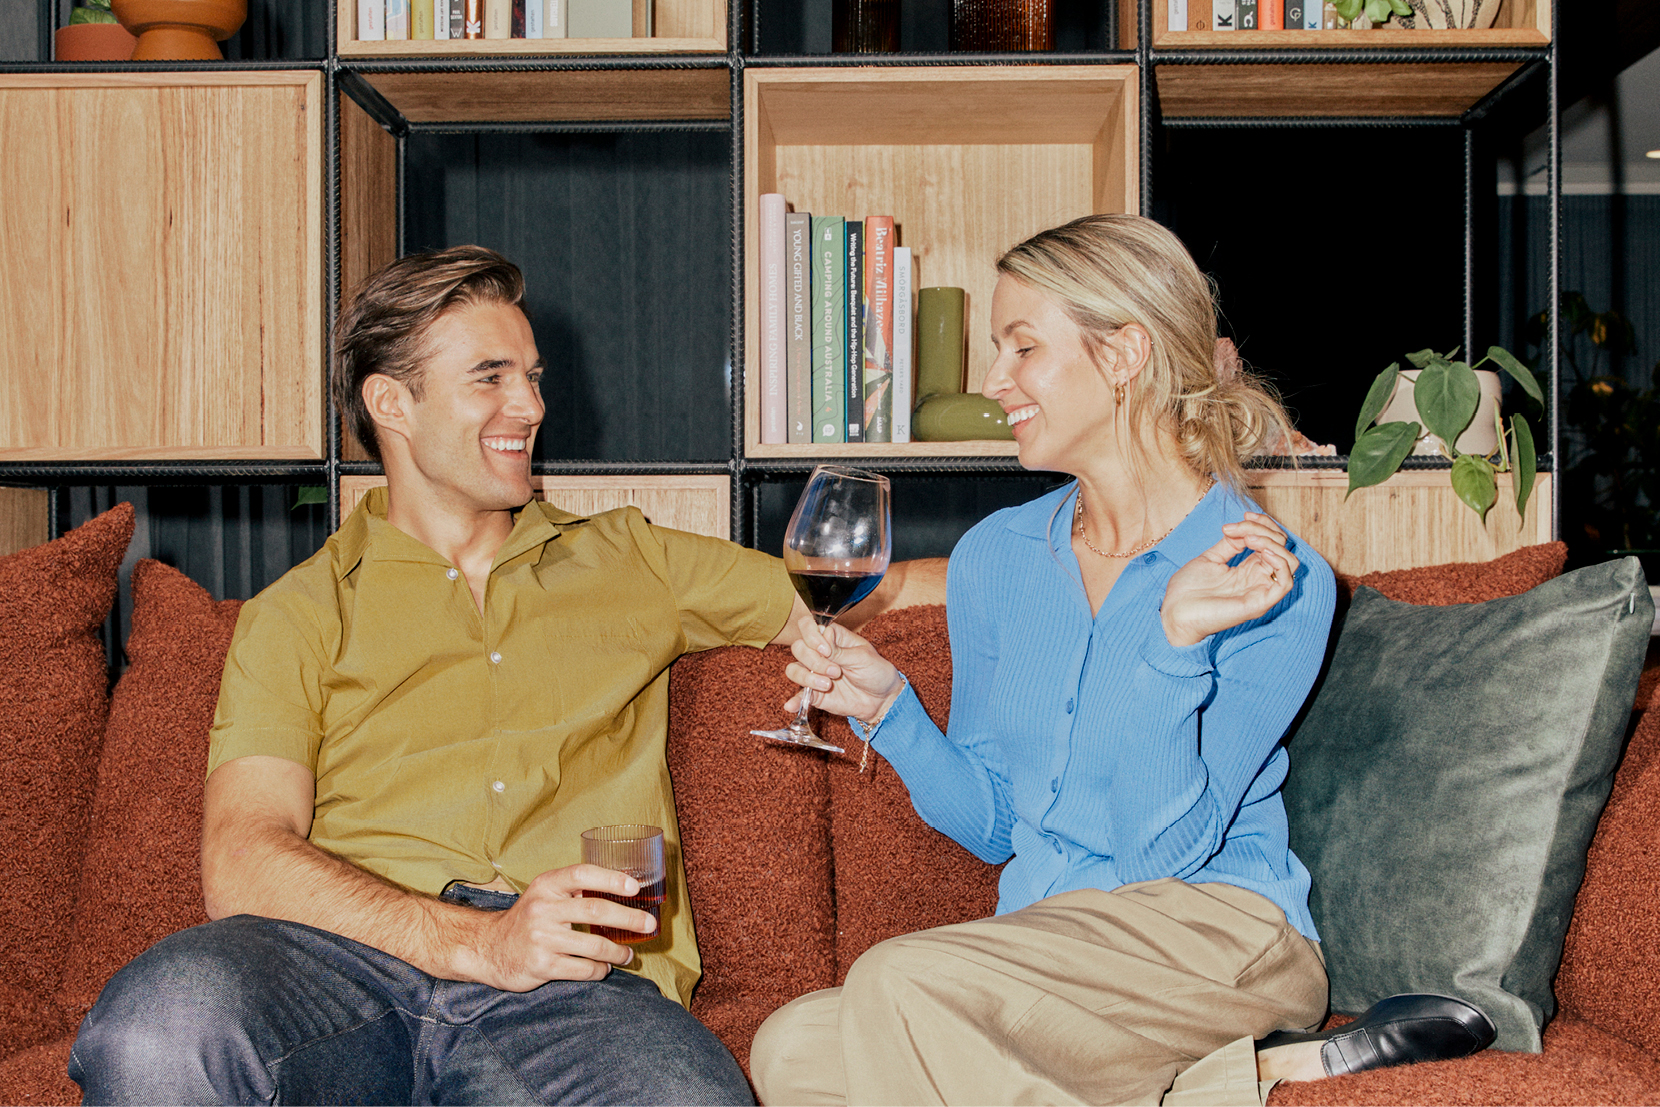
[347, 76]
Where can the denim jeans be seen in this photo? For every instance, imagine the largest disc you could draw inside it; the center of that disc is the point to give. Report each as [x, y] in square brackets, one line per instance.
[255, 1010]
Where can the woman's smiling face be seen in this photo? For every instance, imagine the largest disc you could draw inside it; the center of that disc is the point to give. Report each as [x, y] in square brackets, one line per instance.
[1058, 402]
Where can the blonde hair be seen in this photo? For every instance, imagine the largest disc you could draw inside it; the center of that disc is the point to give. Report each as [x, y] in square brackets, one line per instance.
[1109, 270]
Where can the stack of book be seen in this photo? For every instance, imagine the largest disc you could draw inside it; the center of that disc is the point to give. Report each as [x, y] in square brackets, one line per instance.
[836, 327]
[378, 20]
[1262, 15]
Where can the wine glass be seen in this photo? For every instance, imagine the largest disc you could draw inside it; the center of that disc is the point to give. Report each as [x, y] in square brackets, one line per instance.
[836, 549]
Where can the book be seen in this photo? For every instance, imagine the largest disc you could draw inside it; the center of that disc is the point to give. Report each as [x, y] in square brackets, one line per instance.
[458, 18]
[1245, 15]
[877, 382]
[553, 19]
[1270, 15]
[904, 378]
[798, 311]
[829, 335]
[1222, 15]
[397, 19]
[498, 18]
[441, 19]
[516, 22]
[855, 310]
[1176, 13]
[420, 19]
[371, 20]
[534, 11]
[599, 18]
[770, 236]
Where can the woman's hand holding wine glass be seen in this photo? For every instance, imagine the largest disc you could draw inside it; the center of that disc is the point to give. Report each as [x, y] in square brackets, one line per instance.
[845, 673]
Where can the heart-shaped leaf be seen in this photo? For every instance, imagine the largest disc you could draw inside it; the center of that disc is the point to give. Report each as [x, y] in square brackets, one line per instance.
[1473, 480]
[1526, 461]
[1377, 397]
[1521, 373]
[1447, 394]
[1421, 358]
[1379, 452]
[1347, 9]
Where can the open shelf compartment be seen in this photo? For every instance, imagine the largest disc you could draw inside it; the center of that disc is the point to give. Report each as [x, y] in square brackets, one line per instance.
[1517, 23]
[968, 160]
[679, 27]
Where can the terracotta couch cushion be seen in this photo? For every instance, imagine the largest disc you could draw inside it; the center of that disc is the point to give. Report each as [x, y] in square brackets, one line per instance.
[54, 697]
[142, 879]
[755, 826]
[1466, 581]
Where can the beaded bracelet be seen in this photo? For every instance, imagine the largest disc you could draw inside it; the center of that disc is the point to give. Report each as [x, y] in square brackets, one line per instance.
[870, 727]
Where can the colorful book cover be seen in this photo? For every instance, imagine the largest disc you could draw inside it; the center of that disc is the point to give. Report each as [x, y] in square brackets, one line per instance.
[904, 379]
[878, 344]
[371, 20]
[770, 239]
[1222, 15]
[498, 18]
[397, 19]
[553, 19]
[855, 306]
[420, 19]
[829, 328]
[1246, 15]
[798, 312]
[1270, 15]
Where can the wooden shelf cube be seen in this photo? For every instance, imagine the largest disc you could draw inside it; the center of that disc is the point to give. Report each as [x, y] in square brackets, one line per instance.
[1518, 23]
[968, 160]
[557, 95]
[161, 265]
[678, 27]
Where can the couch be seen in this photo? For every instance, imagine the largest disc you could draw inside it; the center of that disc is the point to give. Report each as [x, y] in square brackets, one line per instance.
[796, 862]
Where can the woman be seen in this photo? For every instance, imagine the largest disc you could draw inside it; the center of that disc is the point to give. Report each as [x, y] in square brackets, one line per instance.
[1128, 652]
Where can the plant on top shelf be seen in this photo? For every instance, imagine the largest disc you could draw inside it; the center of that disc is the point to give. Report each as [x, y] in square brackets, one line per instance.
[92, 11]
[1378, 11]
[1447, 394]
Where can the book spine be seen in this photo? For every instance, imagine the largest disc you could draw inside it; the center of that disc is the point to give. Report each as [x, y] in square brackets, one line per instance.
[420, 19]
[472, 18]
[878, 344]
[371, 20]
[441, 19]
[774, 406]
[498, 18]
[829, 329]
[1176, 14]
[798, 311]
[397, 19]
[516, 24]
[534, 10]
[1311, 15]
[855, 330]
[553, 19]
[1223, 15]
[1271, 15]
[1246, 15]
[904, 382]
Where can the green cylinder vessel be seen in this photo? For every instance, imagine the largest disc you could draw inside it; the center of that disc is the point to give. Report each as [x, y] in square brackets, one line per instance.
[959, 417]
[939, 342]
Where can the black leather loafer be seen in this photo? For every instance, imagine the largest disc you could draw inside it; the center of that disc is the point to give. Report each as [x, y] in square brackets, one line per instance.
[1400, 1030]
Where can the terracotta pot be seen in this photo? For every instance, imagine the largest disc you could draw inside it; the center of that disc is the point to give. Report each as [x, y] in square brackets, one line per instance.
[92, 42]
[180, 30]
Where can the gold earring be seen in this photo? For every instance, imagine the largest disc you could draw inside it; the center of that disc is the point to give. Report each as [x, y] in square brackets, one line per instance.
[1118, 394]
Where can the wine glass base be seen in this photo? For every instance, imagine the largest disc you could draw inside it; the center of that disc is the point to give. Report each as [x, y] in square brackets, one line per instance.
[785, 734]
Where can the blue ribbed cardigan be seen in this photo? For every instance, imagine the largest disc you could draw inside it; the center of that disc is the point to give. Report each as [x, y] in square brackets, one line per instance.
[1089, 748]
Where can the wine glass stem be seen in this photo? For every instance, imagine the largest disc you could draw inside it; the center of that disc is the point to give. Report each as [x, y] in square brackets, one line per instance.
[800, 725]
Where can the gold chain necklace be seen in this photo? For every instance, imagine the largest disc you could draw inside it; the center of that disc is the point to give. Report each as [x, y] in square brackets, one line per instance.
[1078, 517]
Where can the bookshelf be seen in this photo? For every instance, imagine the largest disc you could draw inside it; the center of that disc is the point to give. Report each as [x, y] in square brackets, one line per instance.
[378, 145]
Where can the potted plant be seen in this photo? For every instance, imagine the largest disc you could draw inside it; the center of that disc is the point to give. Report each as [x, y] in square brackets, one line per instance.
[93, 34]
[1446, 395]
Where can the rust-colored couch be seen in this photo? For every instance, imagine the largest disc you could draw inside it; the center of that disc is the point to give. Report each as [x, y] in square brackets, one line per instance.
[796, 862]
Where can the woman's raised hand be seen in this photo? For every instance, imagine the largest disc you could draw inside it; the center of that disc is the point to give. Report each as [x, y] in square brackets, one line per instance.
[1208, 595]
[844, 672]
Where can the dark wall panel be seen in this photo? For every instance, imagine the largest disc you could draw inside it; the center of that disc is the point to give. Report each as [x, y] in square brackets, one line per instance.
[625, 244]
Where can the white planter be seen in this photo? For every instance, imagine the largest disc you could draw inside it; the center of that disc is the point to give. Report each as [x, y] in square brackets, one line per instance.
[1478, 438]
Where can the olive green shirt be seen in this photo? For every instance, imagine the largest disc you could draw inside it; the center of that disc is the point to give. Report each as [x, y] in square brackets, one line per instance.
[453, 745]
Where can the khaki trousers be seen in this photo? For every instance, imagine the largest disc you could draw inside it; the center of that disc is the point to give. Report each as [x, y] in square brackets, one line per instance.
[1087, 997]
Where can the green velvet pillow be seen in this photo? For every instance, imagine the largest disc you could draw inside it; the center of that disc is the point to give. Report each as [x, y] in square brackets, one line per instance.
[1446, 782]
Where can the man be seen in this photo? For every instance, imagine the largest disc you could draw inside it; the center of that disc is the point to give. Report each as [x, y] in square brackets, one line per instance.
[414, 728]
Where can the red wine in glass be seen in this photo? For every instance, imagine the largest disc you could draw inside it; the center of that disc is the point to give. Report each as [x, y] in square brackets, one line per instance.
[836, 549]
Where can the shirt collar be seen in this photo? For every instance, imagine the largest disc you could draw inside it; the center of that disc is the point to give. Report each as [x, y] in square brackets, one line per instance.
[1050, 516]
[366, 528]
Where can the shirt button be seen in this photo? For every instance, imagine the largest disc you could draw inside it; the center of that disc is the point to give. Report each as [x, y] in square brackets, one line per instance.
[499, 786]
[1055, 784]
[1069, 705]
[496, 657]
[451, 573]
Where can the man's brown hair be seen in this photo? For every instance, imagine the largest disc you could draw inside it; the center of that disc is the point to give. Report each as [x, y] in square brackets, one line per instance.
[381, 328]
